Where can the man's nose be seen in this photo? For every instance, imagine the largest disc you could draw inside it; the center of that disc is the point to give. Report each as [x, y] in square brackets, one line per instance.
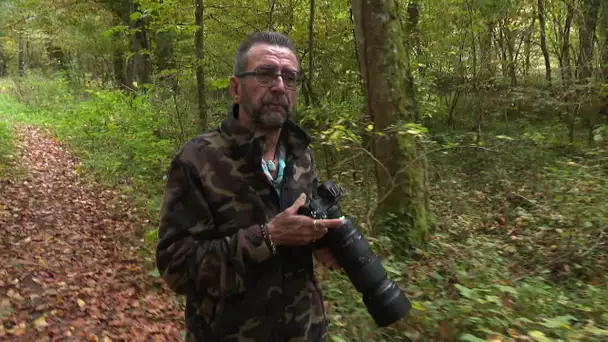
[278, 85]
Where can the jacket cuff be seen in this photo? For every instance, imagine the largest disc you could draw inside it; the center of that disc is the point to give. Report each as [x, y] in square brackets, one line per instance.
[260, 250]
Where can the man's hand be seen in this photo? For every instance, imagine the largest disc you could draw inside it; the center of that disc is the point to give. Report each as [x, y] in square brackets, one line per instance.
[326, 258]
[289, 228]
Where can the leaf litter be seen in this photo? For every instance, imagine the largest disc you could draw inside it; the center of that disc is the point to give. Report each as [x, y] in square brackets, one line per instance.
[70, 266]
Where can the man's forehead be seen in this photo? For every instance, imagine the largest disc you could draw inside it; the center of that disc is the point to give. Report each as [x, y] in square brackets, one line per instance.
[260, 53]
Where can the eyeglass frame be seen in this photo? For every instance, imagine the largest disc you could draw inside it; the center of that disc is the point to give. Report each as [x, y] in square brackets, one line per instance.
[256, 72]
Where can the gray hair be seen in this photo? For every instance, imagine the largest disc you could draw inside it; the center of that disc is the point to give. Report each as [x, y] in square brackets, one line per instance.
[264, 37]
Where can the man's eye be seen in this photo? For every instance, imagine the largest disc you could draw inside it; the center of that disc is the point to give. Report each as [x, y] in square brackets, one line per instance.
[266, 73]
[291, 77]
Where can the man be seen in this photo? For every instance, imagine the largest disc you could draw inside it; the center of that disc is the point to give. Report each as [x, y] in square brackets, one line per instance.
[230, 238]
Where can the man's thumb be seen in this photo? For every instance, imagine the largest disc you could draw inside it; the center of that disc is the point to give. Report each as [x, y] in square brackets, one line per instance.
[297, 204]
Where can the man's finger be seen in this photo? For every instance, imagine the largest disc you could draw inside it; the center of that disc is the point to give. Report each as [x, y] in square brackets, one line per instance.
[330, 223]
[296, 205]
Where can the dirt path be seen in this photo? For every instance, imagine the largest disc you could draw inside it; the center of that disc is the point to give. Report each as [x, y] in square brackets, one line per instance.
[69, 267]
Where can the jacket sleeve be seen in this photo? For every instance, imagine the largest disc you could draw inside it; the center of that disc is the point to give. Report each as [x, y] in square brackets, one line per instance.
[191, 256]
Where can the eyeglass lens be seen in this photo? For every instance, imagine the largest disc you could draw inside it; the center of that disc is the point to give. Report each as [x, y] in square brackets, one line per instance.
[267, 77]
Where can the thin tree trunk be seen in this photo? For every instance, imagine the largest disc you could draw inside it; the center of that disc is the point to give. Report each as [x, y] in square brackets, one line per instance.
[511, 52]
[120, 78]
[543, 40]
[413, 11]
[314, 102]
[311, 45]
[21, 55]
[165, 60]
[566, 67]
[200, 75]
[123, 77]
[271, 15]
[586, 37]
[401, 166]
[503, 51]
[604, 56]
[604, 52]
[140, 62]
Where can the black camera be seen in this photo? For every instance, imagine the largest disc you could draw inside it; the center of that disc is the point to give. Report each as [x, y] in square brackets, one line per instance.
[385, 302]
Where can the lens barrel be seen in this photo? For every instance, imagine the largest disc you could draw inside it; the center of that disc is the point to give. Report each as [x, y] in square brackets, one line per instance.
[385, 302]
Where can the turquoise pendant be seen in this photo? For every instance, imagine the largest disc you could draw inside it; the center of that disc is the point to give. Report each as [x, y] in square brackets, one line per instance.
[271, 166]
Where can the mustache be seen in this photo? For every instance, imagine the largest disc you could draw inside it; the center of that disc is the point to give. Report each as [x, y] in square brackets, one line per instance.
[283, 101]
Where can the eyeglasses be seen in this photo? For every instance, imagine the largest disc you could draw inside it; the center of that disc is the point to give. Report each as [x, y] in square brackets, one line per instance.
[267, 77]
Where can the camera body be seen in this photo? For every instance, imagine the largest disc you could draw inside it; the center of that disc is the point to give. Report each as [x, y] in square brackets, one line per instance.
[385, 302]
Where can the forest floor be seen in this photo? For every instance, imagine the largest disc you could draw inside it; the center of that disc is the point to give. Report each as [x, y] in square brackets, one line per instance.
[70, 268]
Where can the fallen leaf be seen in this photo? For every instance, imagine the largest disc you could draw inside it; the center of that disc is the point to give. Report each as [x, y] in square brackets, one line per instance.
[40, 323]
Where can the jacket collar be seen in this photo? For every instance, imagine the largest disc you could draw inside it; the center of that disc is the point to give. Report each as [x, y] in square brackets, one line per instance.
[294, 137]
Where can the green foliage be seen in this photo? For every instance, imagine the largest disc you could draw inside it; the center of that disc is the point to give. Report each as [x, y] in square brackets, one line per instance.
[520, 246]
[119, 138]
[521, 217]
[7, 149]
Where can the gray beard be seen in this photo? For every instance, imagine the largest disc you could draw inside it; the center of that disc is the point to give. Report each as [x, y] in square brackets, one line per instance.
[268, 118]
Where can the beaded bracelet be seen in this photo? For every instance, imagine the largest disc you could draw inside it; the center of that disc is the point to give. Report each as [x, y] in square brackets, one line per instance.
[268, 238]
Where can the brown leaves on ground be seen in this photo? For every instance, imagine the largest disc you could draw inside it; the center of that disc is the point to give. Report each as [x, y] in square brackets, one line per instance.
[69, 263]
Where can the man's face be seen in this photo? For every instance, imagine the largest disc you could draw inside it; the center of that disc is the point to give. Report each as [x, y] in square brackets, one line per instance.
[269, 105]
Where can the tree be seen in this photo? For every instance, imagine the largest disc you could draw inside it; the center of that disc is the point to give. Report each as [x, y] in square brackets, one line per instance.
[586, 37]
[400, 168]
[604, 51]
[200, 75]
[543, 40]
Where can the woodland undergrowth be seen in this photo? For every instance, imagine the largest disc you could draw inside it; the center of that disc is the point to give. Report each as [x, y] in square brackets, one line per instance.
[518, 253]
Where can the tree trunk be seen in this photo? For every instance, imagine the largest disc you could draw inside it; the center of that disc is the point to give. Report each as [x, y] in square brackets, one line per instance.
[413, 35]
[503, 51]
[567, 70]
[604, 52]
[401, 167]
[118, 59]
[311, 45]
[510, 42]
[413, 17]
[527, 51]
[271, 15]
[543, 40]
[485, 52]
[165, 59]
[200, 75]
[140, 64]
[3, 63]
[21, 55]
[123, 78]
[586, 35]
[313, 101]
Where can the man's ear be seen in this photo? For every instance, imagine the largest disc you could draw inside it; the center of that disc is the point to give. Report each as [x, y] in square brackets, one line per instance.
[235, 89]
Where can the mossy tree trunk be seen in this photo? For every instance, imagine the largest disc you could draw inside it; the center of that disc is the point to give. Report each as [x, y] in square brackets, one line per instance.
[400, 165]
[200, 74]
[543, 40]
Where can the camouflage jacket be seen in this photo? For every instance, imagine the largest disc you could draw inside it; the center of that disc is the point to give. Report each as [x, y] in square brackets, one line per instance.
[211, 249]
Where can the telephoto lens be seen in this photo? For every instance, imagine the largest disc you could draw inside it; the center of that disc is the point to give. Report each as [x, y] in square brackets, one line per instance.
[384, 300]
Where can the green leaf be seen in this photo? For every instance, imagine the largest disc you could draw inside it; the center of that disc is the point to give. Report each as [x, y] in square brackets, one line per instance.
[465, 292]
[596, 331]
[155, 273]
[558, 322]
[539, 335]
[392, 270]
[507, 289]
[494, 299]
[218, 84]
[471, 338]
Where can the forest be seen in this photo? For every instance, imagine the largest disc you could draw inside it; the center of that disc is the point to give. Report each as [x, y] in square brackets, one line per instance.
[470, 138]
